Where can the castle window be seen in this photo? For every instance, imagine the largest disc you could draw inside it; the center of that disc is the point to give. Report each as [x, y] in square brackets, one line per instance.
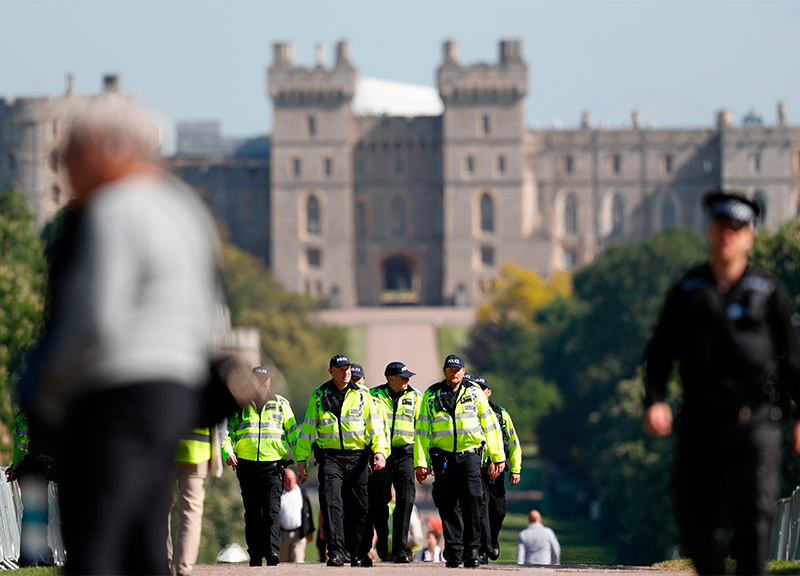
[328, 166]
[667, 163]
[435, 145]
[398, 145]
[487, 255]
[385, 146]
[360, 146]
[296, 167]
[569, 163]
[12, 163]
[360, 167]
[501, 164]
[435, 167]
[422, 144]
[435, 225]
[471, 164]
[410, 145]
[617, 215]
[708, 166]
[398, 167]
[755, 161]
[361, 220]
[398, 217]
[487, 213]
[486, 124]
[313, 223]
[373, 145]
[314, 257]
[669, 215]
[312, 126]
[760, 198]
[616, 163]
[319, 288]
[308, 287]
[569, 258]
[55, 128]
[570, 214]
[55, 193]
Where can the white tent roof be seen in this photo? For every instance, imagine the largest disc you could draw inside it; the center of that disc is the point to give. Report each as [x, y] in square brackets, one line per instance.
[375, 97]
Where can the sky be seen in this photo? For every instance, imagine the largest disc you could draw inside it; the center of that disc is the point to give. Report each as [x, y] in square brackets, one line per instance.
[676, 62]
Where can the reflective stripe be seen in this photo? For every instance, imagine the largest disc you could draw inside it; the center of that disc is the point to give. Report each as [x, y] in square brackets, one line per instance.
[309, 421]
[272, 435]
[491, 427]
[423, 433]
[404, 417]
[465, 415]
[353, 433]
[305, 436]
[513, 443]
[442, 418]
[293, 429]
[353, 419]
[198, 437]
[423, 418]
[449, 432]
[401, 432]
[272, 425]
[326, 422]
[21, 445]
[328, 435]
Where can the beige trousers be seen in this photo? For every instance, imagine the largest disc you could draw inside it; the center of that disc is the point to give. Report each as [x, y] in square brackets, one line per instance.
[191, 479]
[293, 547]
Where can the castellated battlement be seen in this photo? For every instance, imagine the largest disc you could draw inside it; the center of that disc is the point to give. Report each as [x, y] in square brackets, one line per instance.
[292, 86]
[504, 82]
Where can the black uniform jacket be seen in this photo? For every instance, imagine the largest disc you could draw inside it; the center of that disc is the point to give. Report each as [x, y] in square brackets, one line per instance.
[734, 350]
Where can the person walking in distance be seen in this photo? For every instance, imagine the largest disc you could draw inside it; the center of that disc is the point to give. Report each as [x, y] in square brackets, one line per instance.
[732, 330]
[259, 438]
[399, 404]
[454, 427]
[537, 544]
[342, 420]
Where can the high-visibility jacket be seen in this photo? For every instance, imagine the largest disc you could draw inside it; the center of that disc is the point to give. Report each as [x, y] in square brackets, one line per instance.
[471, 425]
[511, 444]
[22, 439]
[195, 447]
[360, 425]
[400, 416]
[262, 435]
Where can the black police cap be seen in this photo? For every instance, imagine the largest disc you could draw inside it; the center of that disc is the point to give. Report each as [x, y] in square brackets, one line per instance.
[398, 369]
[731, 206]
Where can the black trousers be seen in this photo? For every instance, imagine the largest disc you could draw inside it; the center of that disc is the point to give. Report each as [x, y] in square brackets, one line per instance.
[457, 493]
[744, 457]
[261, 485]
[343, 478]
[494, 509]
[399, 472]
[115, 466]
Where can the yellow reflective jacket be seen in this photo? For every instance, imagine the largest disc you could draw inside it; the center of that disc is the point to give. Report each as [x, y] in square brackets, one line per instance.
[511, 444]
[400, 417]
[360, 425]
[471, 425]
[262, 435]
[195, 447]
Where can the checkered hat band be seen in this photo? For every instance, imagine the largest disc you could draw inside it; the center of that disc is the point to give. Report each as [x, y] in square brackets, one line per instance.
[733, 209]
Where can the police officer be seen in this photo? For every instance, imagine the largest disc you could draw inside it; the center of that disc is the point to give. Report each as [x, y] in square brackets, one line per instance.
[357, 376]
[495, 505]
[342, 419]
[456, 424]
[259, 437]
[729, 326]
[400, 405]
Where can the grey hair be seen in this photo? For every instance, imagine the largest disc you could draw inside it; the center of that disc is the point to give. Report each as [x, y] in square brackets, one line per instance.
[120, 126]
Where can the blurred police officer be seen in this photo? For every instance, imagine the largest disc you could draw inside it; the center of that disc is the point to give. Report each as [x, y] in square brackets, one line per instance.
[456, 424]
[729, 326]
[495, 505]
[357, 376]
[344, 422]
[400, 405]
[259, 437]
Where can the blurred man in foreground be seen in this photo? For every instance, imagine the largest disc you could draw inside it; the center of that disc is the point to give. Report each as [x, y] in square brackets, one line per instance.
[125, 350]
[730, 328]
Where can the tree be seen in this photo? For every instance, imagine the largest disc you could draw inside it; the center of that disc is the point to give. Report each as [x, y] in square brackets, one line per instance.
[298, 345]
[22, 285]
[779, 254]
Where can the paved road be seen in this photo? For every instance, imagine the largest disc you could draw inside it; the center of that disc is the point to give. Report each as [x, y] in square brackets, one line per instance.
[415, 569]
[402, 335]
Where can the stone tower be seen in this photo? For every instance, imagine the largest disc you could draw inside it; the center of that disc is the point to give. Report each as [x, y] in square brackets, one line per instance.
[487, 209]
[311, 175]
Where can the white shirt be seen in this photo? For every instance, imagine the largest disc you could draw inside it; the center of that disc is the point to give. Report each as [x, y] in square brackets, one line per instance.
[291, 516]
[424, 555]
[538, 544]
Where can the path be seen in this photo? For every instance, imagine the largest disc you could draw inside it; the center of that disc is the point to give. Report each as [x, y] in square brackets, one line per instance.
[397, 334]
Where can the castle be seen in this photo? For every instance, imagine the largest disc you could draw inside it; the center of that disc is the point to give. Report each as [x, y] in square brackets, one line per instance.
[367, 205]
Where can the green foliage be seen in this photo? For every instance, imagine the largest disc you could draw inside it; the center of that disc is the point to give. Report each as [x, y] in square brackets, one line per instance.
[22, 285]
[779, 254]
[223, 516]
[299, 346]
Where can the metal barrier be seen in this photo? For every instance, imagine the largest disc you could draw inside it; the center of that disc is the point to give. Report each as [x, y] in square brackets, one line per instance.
[11, 523]
[784, 542]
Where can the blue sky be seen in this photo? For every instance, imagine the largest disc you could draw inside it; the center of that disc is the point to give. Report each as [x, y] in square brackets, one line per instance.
[677, 62]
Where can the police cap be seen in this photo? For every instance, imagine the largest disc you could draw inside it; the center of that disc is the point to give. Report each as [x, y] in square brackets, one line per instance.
[339, 360]
[357, 370]
[398, 369]
[261, 371]
[454, 360]
[731, 206]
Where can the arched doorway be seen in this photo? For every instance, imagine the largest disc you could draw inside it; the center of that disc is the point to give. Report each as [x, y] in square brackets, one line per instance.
[399, 285]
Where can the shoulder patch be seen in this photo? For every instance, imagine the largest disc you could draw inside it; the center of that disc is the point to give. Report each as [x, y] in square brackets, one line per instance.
[758, 285]
[692, 284]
